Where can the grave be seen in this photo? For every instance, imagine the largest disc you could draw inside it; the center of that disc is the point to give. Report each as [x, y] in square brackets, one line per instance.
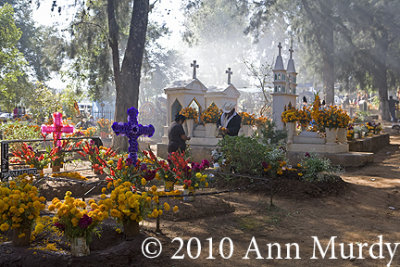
[194, 93]
[312, 142]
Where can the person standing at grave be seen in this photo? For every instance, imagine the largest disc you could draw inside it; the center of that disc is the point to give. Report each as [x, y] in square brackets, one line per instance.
[392, 108]
[176, 135]
[229, 123]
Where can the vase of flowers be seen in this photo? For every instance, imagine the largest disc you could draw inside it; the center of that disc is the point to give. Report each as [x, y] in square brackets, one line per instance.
[129, 207]
[248, 120]
[192, 117]
[20, 206]
[331, 134]
[210, 118]
[77, 222]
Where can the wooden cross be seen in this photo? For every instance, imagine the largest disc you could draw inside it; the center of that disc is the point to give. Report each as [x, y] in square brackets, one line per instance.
[195, 66]
[133, 130]
[229, 72]
[280, 47]
[57, 128]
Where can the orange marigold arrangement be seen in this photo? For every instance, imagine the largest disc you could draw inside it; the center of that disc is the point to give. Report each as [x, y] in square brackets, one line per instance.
[290, 114]
[247, 119]
[211, 114]
[190, 113]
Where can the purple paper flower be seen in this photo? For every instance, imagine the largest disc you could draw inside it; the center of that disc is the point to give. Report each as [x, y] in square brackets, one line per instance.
[143, 167]
[307, 155]
[85, 221]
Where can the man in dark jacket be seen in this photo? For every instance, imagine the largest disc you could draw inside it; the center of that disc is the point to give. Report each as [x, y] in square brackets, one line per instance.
[392, 108]
[229, 123]
[176, 135]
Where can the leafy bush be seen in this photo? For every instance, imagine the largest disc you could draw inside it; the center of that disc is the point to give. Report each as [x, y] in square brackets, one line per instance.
[242, 154]
[315, 169]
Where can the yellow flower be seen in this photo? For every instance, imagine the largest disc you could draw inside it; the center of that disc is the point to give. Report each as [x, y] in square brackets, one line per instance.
[4, 227]
[175, 209]
[103, 190]
[300, 174]
[144, 181]
[22, 235]
[118, 230]
[166, 206]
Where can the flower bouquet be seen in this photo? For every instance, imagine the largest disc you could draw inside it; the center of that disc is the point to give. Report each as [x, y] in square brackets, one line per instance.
[28, 156]
[290, 114]
[20, 205]
[77, 222]
[211, 114]
[190, 113]
[129, 207]
[247, 119]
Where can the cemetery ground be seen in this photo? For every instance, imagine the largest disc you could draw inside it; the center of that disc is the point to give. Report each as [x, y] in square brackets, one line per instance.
[365, 208]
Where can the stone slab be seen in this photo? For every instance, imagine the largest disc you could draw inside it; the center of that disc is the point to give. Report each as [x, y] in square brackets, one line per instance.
[198, 153]
[308, 140]
[318, 148]
[370, 144]
[349, 159]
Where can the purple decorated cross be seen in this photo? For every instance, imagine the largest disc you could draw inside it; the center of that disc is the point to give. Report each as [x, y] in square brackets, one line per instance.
[133, 130]
[57, 128]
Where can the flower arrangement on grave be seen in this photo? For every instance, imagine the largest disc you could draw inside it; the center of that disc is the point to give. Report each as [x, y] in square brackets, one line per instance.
[290, 114]
[96, 155]
[27, 156]
[56, 155]
[261, 121]
[76, 221]
[129, 207]
[329, 117]
[104, 125]
[304, 116]
[247, 119]
[122, 167]
[186, 173]
[373, 128]
[20, 205]
[343, 118]
[350, 132]
[211, 115]
[190, 113]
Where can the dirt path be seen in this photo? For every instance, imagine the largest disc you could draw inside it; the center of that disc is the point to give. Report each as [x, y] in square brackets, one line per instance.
[368, 208]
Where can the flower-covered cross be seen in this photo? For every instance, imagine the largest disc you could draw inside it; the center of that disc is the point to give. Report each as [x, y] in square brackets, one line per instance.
[57, 128]
[133, 130]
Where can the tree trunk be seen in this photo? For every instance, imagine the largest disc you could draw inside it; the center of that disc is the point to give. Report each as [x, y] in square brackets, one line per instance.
[328, 52]
[127, 80]
[380, 73]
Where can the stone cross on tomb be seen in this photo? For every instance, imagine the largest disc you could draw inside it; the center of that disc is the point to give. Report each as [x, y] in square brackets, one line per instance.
[291, 51]
[229, 72]
[57, 128]
[280, 47]
[195, 66]
[133, 130]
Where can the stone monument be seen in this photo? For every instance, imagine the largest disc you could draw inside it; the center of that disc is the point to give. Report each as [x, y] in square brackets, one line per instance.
[284, 87]
[194, 93]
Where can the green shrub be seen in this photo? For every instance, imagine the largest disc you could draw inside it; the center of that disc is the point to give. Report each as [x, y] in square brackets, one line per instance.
[317, 169]
[243, 155]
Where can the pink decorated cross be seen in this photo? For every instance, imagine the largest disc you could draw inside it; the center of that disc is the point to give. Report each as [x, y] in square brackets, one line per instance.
[57, 128]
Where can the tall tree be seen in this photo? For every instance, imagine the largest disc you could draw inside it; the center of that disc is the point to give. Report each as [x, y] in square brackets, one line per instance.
[127, 74]
[14, 84]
